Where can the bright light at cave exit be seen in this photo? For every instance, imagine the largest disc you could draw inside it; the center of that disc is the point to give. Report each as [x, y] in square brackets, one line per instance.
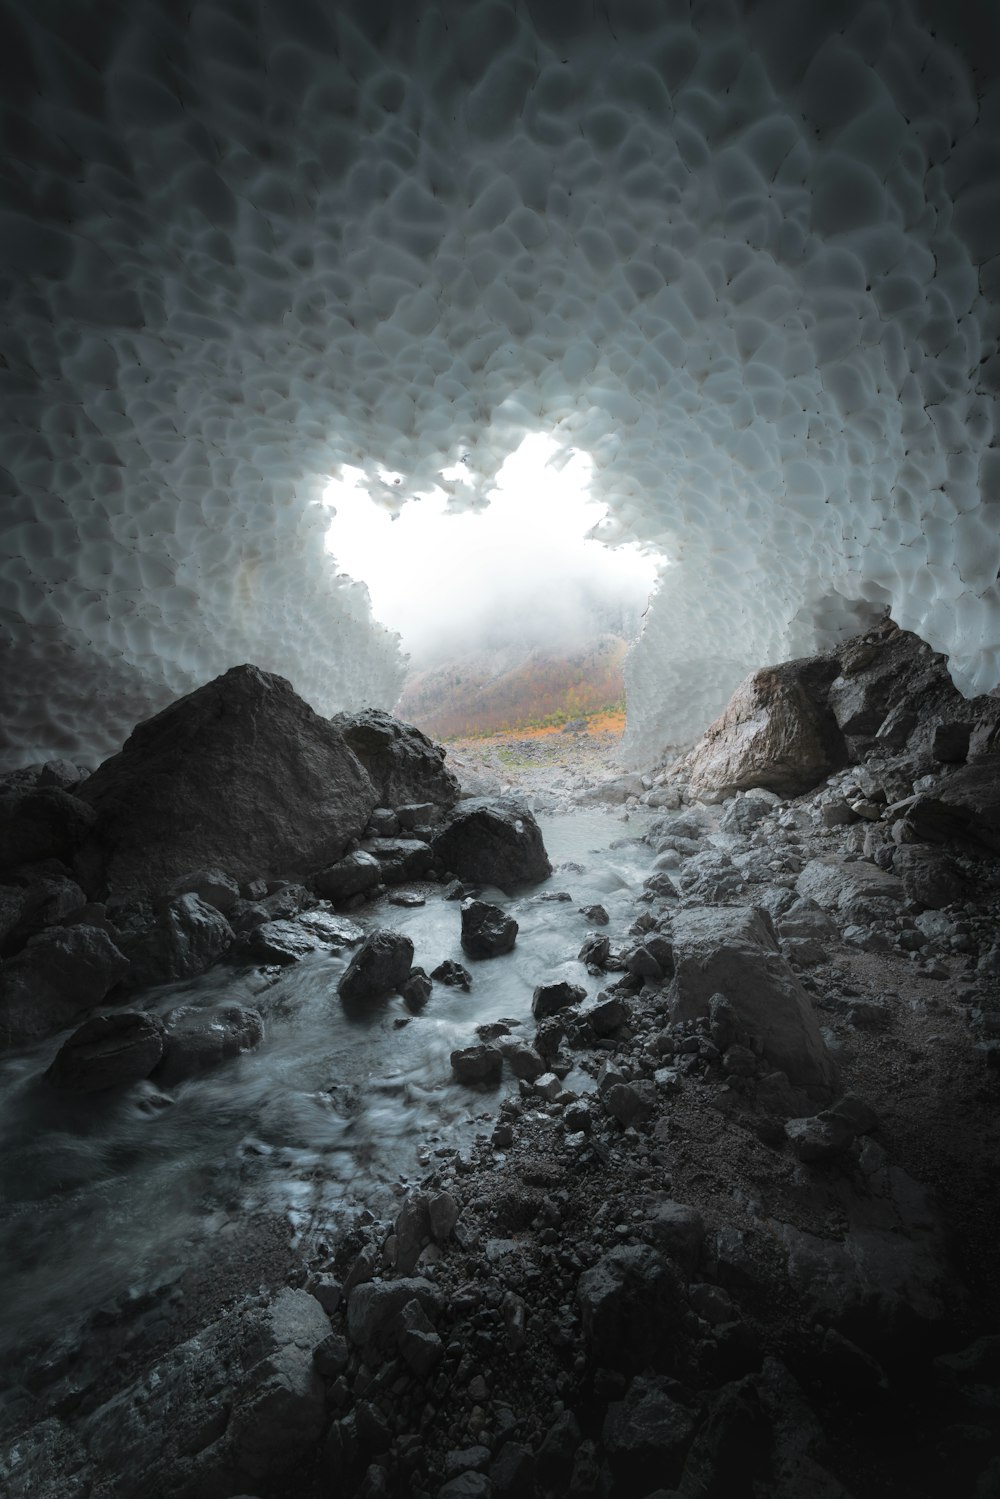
[441, 578]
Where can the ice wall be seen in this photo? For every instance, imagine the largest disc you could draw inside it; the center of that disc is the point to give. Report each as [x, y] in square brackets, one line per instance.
[747, 259]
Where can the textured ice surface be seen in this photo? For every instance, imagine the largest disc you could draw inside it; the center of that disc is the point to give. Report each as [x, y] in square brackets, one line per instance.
[748, 263]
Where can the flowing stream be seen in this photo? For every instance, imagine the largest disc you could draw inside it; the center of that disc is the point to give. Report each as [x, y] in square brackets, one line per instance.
[104, 1197]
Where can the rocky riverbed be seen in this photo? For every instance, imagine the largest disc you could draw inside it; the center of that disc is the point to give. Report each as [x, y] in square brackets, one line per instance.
[720, 1222]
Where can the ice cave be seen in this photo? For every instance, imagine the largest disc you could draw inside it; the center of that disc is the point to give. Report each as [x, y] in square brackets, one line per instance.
[589, 1114]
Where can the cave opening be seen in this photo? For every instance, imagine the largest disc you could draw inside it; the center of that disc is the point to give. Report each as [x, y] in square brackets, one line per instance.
[514, 603]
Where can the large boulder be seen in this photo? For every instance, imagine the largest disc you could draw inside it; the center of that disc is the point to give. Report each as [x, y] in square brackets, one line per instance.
[493, 843]
[241, 774]
[62, 972]
[964, 809]
[108, 1051]
[733, 951]
[380, 965]
[405, 766]
[776, 733]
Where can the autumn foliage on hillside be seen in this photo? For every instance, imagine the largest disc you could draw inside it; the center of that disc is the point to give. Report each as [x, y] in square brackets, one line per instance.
[497, 692]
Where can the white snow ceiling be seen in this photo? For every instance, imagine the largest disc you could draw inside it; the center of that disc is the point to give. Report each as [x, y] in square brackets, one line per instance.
[744, 256]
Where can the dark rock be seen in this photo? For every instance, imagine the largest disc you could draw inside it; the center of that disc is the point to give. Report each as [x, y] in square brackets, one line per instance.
[964, 810]
[487, 931]
[383, 823]
[279, 1412]
[630, 1303]
[351, 875]
[596, 914]
[931, 878]
[452, 974]
[678, 1230]
[606, 1015]
[46, 823]
[647, 1434]
[630, 1102]
[416, 988]
[523, 1060]
[729, 1454]
[213, 886]
[417, 815]
[950, 742]
[37, 903]
[554, 1459]
[182, 940]
[374, 1322]
[288, 941]
[512, 1472]
[60, 973]
[548, 999]
[399, 858]
[595, 950]
[241, 774]
[198, 1038]
[493, 843]
[419, 1343]
[477, 1064]
[732, 951]
[404, 765]
[777, 732]
[819, 1138]
[380, 965]
[108, 1051]
[466, 1486]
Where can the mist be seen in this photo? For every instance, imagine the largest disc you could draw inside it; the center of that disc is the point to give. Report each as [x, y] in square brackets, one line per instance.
[522, 572]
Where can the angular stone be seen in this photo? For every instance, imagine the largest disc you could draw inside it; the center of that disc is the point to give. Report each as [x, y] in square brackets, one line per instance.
[819, 1138]
[452, 974]
[646, 1435]
[477, 1064]
[404, 765]
[185, 938]
[776, 732]
[548, 999]
[493, 843]
[487, 930]
[46, 823]
[630, 1303]
[213, 886]
[351, 875]
[200, 1038]
[60, 973]
[416, 989]
[731, 951]
[373, 1311]
[523, 1060]
[380, 965]
[108, 1051]
[241, 774]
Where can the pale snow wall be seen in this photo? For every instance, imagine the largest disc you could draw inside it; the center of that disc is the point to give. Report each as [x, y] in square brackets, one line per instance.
[748, 263]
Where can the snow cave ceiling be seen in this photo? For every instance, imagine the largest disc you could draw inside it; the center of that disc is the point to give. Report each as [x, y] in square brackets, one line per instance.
[744, 255]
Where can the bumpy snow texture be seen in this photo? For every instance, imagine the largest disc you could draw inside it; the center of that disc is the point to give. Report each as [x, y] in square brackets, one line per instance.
[748, 262]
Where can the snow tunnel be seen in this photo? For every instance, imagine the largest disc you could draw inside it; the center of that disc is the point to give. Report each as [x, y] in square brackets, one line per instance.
[743, 255]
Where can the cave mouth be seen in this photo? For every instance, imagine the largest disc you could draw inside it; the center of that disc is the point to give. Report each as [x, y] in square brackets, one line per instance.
[515, 602]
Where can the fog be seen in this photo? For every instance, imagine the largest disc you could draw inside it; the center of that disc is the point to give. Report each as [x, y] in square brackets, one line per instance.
[525, 570]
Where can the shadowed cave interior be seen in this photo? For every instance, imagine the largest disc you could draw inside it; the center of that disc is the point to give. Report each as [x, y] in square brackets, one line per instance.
[590, 1108]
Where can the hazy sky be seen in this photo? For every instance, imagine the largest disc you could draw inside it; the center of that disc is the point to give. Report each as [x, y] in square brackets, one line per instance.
[520, 571]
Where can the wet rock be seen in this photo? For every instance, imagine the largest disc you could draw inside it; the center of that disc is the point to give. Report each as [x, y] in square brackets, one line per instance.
[776, 732]
[418, 815]
[477, 1064]
[487, 930]
[548, 999]
[408, 899]
[493, 843]
[646, 1435]
[241, 774]
[41, 902]
[523, 1060]
[383, 823]
[452, 974]
[399, 859]
[351, 875]
[596, 914]
[405, 766]
[184, 939]
[60, 973]
[653, 960]
[630, 1303]
[606, 1015]
[108, 1051]
[595, 950]
[45, 823]
[416, 989]
[380, 965]
[200, 1038]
